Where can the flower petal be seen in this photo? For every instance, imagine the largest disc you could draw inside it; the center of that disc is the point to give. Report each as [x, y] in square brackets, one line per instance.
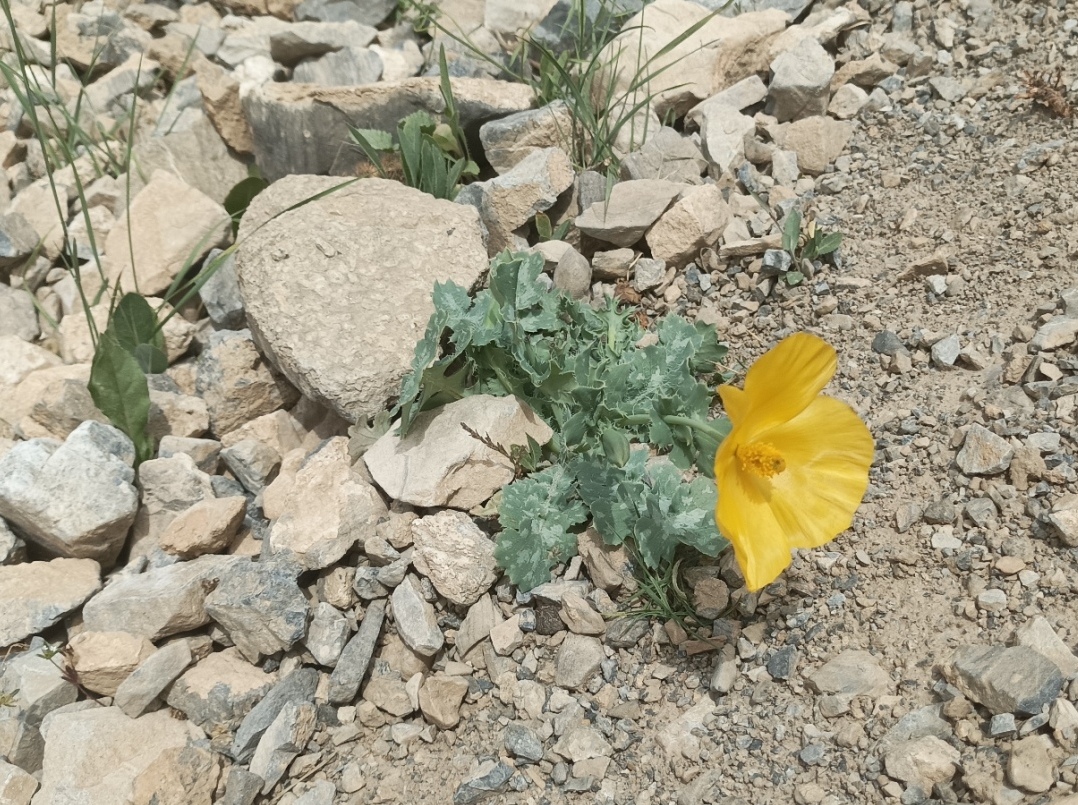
[735, 403]
[745, 517]
[785, 381]
[828, 452]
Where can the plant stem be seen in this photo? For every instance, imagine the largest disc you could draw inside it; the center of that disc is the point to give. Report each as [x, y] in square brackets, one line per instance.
[672, 419]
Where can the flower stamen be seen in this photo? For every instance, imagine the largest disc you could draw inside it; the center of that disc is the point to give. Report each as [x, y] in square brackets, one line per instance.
[760, 459]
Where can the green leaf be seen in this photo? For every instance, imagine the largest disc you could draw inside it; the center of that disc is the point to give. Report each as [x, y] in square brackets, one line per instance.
[239, 198]
[791, 232]
[828, 243]
[119, 390]
[794, 278]
[134, 324]
[374, 139]
[538, 516]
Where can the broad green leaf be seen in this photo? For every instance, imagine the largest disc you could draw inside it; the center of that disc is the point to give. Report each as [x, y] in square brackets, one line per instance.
[828, 243]
[794, 278]
[239, 198]
[119, 390]
[135, 326]
[791, 232]
[375, 139]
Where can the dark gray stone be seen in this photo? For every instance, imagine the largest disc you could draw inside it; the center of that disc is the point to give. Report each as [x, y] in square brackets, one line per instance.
[490, 778]
[782, 663]
[887, 343]
[17, 241]
[221, 294]
[625, 632]
[343, 68]
[368, 12]
[522, 743]
[940, 512]
[242, 787]
[297, 687]
[260, 606]
[354, 661]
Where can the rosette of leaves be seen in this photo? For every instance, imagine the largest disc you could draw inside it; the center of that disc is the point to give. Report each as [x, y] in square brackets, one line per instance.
[582, 371]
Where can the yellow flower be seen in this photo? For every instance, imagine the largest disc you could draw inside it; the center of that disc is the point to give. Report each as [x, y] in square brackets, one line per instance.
[794, 467]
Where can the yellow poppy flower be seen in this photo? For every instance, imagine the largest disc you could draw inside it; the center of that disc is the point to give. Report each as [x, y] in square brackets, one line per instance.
[794, 467]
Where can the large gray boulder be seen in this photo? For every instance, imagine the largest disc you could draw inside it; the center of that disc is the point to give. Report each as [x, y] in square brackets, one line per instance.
[338, 291]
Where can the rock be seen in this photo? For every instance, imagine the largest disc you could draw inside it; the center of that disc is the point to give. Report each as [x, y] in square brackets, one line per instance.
[207, 527]
[158, 603]
[489, 777]
[221, 102]
[149, 680]
[35, 595]
[1005, 680]
[289, 44]
[440, 464]
[923, 762]
[694, 222]
[572, 274]
[1064, 520]
[16, 786]
[221, 294]
[374, 315]
[578, 660]
[352, 665]
[507, 202]
[852, 673]
[1039, 635]
[847, 102]
[415, 619]
[723, 130]
[253, 463]
[96, 755]
[170, 486]
[296, 688]
[349, 510]
[800, 82]
[327, 634]
[18, 317]
[176, 415]
[749, 91]
[507, 636]
[17, 240]
[298, 128]
[1030, 765]
[710, 597]
[818, 141]
[455, 555]
[260, 606]
[782, 663]
[219, 691]
[608, 565]
[1055, 334]
[179, 776]
[482, 616]
[283, 741]
[509, 140]
[1063, 719]
[440, 699]
[74, 499]
[348, 67]
[984, 453]
[19, 359]
[522, 743]
[105, 659]
[12, 549]
[945, 351]
[169, 222]
[578, 615]
[236, 383]
[668, 156]
[631, 209]
[583, 743]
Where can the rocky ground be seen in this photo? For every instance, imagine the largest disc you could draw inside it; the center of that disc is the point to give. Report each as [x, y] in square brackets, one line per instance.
[253, 616]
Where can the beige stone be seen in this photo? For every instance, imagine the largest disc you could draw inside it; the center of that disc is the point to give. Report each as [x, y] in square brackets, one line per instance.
[508, 140]
[105, 659]
[18, 359]
[924, 762]
[278, 430]
[206, 527]
[221, 100]
[578, 615]
[440, 699]
[438, 463]
[76, 344]
[35, 595]
[275, 496]
[16, 786]
[37, 204]
[348, 509]
[609, 566]
[455, 554]
[632, 208]
[170, 223]
[180, 415]
[180, 775]
[1039, 635]
[507, 636]
[694, 222]
[817, 140]
[169, 486]
[1030, 765]
[95, 755]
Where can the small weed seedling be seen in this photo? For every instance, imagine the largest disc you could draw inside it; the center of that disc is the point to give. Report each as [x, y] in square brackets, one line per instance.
[810, 244]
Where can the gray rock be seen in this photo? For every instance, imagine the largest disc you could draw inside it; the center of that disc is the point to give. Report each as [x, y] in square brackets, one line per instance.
[648, 273]
[327, 635]
[18, 316]
[1039, 635]
[482, 616]
[950, 89]
[782, 663]
[888, 343]
[17, 241]
[296, 688]
[236, 383]
[354, 661]
[1054, 334]
[722, 131]
[981, 511]
[260, 606]
[322, 792]
[440, 464]
[12, 549]
[578, 660]
[283, 741]
[299, 128]
[254, 463]
[289, 44]
[800, 81]
[983, 452]
[522, 743]
[572, 274]
[1005, 680]
[490, 778]
[630, 211]
[136, 693]
[945, 351]
[346, 293]
[367, 12]
[242, 787]
[161, 602]
[344, 68]
[206, 453]
[75, 499]
[415, 619]
[221, 294]
[940, 512]
[919, 723]
[668, 156]
[1002, 724]
[852, 673]
[625, 632]
[220, 690]
[509, 140]
[35, 595]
